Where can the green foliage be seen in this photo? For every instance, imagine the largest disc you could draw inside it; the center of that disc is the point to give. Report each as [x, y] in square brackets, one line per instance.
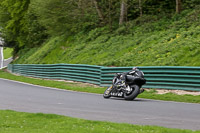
[82, 37]
[7, 53]
[143, 42]
[14, 27]
[35, 33]
[64, 16]
[20, 26]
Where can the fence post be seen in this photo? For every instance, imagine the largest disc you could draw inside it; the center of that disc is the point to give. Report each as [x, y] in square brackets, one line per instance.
[1, 57]
[100, 75]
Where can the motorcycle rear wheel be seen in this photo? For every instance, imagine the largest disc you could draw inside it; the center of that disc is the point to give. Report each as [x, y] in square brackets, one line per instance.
[133, 94]
[107, 92]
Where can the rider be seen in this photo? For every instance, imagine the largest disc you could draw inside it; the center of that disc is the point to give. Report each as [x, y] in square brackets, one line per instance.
[132, 72]
[135, 71]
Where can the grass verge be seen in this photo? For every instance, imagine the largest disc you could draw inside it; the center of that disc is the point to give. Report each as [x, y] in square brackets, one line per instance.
[100, 90]
[18, 122]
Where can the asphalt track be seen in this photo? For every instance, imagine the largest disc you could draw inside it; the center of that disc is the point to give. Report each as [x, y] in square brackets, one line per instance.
[29, 98]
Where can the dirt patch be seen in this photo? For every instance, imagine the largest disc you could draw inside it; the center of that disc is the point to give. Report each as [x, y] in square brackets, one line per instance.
[75, 83]
[179, 92]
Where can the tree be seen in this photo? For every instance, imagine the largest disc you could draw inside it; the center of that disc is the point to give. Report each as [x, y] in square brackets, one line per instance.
[140, 7]
[100, 14]
[123, 11]
[110, 15]
[15, 24]
[178, 6]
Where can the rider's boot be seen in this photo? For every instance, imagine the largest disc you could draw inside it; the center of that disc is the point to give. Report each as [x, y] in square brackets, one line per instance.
[141, 90]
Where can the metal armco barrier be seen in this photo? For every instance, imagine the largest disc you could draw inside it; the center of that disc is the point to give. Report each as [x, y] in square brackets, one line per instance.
[162, 77]
[81, 73]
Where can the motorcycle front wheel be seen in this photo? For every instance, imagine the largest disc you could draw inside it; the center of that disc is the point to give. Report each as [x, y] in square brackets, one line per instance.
[107, 92]
[133, 94]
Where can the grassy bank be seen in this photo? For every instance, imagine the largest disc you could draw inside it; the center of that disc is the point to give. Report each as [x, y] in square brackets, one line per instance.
[18, 122]
[99, 90]
[147, 41]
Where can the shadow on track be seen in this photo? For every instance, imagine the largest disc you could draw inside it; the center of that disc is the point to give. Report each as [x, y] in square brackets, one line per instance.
[135, 100]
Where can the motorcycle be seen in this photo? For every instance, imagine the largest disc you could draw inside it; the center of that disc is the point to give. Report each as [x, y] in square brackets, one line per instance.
[128, 89]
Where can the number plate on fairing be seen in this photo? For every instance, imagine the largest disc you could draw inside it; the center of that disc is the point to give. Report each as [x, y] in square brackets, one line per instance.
[117, 94]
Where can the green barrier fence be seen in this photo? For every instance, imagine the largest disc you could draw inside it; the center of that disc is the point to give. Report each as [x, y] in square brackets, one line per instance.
[81, 73]
[162, 77]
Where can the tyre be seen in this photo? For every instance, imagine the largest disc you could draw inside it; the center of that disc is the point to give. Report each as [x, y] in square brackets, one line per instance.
[107, 92]
[133, 94]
